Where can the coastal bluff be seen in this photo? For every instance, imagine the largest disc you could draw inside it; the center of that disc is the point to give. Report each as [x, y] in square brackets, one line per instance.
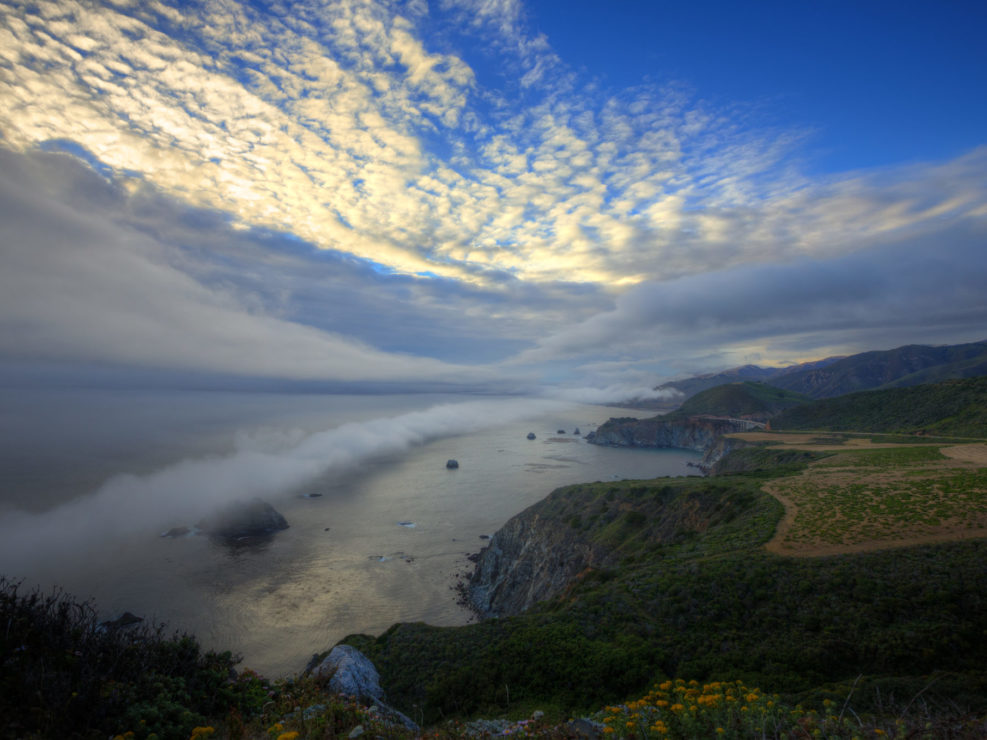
[586, 531]
[703, 434]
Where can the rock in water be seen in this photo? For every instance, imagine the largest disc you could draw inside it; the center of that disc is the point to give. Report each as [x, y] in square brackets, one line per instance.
[254, 518]
[452, 464]
[531, 435]
[351, 673]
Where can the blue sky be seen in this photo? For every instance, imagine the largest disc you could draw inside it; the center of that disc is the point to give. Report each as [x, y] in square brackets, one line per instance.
[486, 193]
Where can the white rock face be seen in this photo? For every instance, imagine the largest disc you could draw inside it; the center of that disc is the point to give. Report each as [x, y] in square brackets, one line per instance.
[351, 673]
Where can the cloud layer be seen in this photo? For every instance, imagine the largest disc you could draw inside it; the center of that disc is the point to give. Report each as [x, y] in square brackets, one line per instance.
[384, 190]
[348, 124]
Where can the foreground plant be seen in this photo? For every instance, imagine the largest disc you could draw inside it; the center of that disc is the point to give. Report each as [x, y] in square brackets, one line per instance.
[722, 709]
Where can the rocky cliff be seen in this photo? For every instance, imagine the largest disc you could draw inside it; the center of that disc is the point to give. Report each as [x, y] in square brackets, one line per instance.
[531, 558]
[702, 434]
[580, 529]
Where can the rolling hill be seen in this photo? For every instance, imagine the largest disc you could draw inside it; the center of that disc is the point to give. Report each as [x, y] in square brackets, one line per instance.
[745, 400]
[951, 408]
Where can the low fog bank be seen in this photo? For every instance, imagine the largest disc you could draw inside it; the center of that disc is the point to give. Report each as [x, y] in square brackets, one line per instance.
[266, 463]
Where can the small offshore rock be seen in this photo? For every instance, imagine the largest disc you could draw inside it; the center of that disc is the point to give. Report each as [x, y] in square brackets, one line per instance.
[176, 532]
[560, 431]
[531, 435]
[576, 430]
[452, 464]
[240, 519]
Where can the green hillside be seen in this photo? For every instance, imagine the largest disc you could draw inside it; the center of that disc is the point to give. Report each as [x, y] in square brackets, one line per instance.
[951, 408]
[747, 399]
[707, 604]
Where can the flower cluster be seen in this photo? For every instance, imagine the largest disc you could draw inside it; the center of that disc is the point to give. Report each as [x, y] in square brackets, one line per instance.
[722, 709]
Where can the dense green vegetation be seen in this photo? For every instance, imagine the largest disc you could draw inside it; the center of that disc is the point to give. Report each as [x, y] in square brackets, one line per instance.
[953, 407]
[765, 461]
[710, 605]
[65, 675]
[747, 399]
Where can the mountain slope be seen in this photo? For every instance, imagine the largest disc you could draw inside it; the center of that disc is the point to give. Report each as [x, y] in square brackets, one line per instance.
[746, 400]
[910, 365]
[951, 408]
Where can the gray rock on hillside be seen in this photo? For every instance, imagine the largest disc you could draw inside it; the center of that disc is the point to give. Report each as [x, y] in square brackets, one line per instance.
[240, 519]
[351, 673]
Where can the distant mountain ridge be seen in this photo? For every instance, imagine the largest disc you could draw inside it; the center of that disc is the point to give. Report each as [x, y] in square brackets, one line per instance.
[835, 376]
[910, 365]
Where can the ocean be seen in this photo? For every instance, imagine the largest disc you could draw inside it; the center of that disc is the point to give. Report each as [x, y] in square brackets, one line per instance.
[379, 528]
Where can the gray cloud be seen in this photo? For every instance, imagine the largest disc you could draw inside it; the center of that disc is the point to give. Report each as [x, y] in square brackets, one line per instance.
[78, 286]
[920, 289]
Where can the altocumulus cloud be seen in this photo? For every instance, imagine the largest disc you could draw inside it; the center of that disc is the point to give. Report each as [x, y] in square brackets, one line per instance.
[641, 221]
[341, 123]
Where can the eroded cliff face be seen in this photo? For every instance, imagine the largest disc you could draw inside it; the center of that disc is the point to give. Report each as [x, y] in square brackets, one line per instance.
[547, 548]
[693, 433]
[531, 558]
[699, 433]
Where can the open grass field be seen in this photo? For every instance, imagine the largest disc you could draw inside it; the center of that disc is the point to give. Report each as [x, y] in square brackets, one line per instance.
[870, 495]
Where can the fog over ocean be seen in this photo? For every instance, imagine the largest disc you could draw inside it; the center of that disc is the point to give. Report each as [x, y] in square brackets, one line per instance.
[90, 479]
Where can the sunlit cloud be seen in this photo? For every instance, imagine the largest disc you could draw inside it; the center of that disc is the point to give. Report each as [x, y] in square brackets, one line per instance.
[514, 206]
[341, 123]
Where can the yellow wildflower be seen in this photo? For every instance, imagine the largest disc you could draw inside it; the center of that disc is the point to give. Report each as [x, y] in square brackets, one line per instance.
[288, 735]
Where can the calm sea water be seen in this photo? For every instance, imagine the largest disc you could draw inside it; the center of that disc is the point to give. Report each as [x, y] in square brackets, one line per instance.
[90, 479]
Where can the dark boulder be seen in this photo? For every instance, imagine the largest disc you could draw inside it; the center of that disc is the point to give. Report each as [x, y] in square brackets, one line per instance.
[255, 518]
[531, 435]
[452, 464]
[124, 620]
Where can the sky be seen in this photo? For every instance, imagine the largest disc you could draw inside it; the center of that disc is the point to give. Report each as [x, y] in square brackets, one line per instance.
[581, 197]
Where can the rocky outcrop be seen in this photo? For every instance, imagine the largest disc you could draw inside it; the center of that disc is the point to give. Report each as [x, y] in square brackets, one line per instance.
[697, 433]
[717, 450]
[351, 673]
[255, 518]
[531, 558]
[585, 531]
